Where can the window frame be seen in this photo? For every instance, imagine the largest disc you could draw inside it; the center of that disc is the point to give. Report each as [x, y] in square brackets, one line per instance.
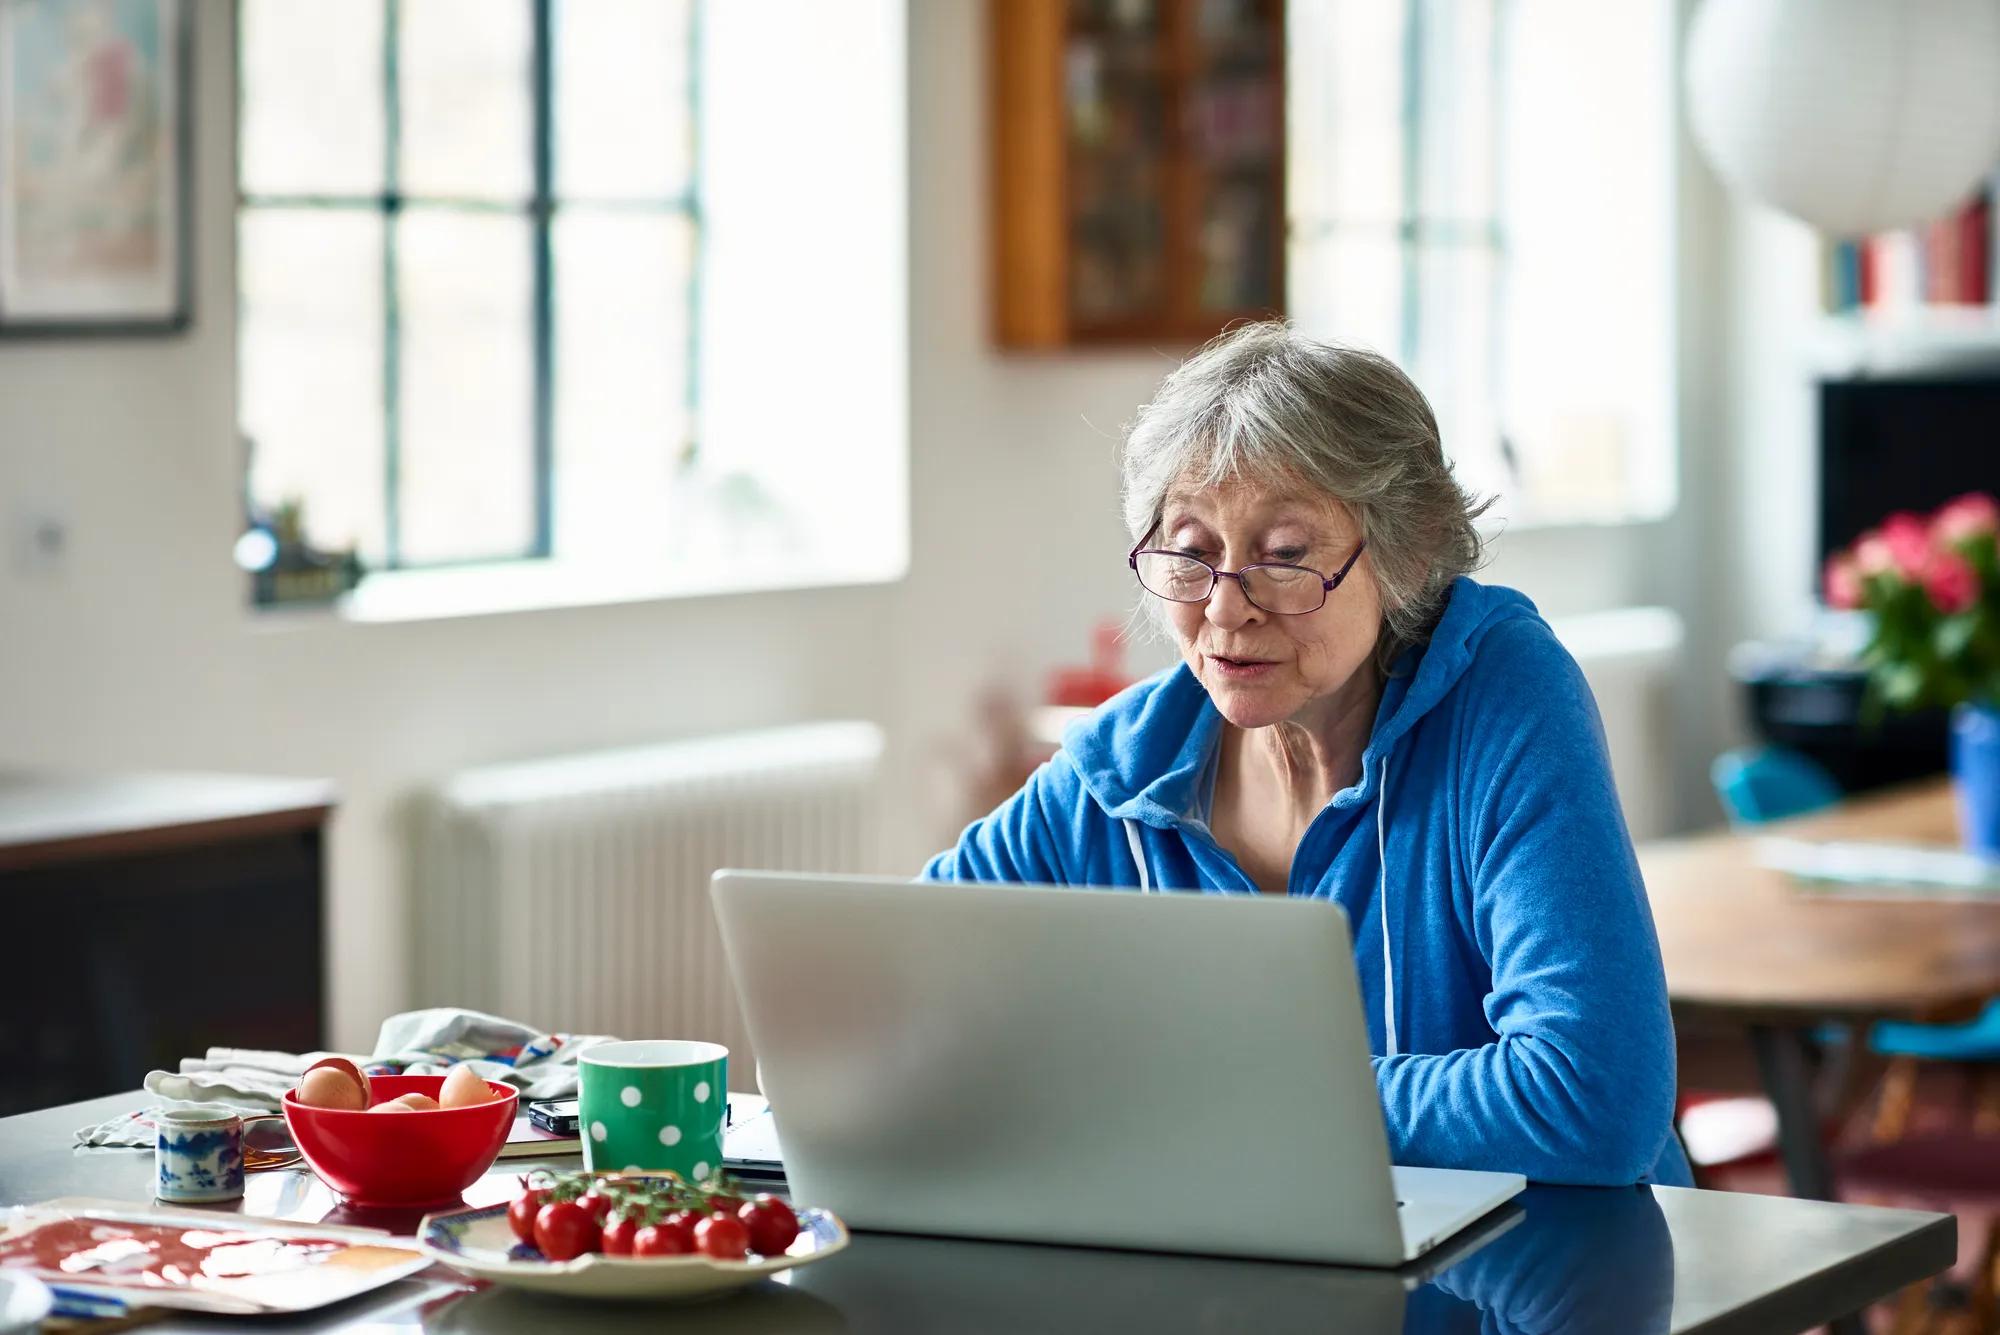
[541, 209]
[1424, 234]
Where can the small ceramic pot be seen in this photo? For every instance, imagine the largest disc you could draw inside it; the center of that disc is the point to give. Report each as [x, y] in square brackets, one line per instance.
[198, 1155]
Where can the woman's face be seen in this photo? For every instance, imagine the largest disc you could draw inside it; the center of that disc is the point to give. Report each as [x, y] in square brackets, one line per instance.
[1260, 667]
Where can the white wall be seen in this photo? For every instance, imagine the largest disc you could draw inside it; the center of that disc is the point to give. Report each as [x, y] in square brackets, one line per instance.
[140, 652]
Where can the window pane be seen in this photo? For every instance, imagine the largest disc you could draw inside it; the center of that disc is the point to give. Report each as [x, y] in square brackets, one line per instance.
[1347, 285]
[1459, 111]
[1345, 109]
[312, 108]
[621, 378]
[467, 98]
[1590, 95]
[467, 456]
[621, 98]
[1455, 354]
[310, 380]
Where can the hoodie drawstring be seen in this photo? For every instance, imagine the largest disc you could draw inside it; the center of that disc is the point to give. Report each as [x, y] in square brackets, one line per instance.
[1138, 856]
[1382, 908]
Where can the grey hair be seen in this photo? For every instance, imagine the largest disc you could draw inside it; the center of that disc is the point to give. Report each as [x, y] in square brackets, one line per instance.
[1265, 402]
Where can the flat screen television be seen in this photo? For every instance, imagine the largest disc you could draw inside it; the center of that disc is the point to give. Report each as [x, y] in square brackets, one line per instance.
[1902, 444]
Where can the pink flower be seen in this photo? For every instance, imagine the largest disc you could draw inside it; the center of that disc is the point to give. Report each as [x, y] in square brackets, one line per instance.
[1909, 540]
[1842, 582]
[1951, 582]
[1970, 516]
[1873, 555]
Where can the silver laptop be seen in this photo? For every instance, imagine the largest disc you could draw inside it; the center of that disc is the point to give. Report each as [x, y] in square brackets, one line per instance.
[1183, 1073]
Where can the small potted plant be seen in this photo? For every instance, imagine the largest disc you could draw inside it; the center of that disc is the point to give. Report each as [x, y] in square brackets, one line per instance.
[1932, 586]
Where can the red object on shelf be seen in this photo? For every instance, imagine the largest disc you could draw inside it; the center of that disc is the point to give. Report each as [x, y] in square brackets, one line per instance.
[1975, 226]
[1088, 687]
[403, 1159]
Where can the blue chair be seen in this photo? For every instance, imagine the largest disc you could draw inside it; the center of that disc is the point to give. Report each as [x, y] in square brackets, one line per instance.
[1765, 783]
[1760, 783]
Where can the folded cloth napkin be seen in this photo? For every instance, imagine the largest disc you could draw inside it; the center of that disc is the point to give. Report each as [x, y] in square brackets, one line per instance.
[427, 1042]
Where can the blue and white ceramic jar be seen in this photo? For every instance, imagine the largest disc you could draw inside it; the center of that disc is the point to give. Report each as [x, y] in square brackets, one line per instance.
[198, 1155]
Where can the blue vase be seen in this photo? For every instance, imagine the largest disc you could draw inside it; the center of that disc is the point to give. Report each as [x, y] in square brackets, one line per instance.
[1975, 765]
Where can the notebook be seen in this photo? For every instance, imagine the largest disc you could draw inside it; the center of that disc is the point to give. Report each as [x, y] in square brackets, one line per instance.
[749, 1143]
[1873, 869]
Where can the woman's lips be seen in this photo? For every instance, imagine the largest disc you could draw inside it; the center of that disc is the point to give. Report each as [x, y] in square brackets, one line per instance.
[1240, 669]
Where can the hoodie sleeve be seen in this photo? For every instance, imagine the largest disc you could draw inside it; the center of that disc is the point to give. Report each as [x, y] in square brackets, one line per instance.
[1021, 841]
[1578, 1084]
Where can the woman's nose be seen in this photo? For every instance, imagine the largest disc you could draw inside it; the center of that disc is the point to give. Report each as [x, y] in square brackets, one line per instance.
[1227, 607]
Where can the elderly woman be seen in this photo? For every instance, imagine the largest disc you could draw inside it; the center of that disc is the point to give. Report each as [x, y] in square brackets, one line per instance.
[1354, 718]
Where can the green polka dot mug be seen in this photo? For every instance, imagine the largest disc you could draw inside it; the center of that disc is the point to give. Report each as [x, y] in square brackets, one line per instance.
[653, 1105]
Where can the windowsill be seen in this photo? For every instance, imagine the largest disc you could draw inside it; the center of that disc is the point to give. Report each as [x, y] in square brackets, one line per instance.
[1496, 523]
[538, 586]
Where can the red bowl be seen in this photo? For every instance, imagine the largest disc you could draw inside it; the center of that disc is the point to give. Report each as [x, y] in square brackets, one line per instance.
[402, 1159]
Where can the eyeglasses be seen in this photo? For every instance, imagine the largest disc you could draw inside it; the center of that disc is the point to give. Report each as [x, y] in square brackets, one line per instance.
[1283, 589]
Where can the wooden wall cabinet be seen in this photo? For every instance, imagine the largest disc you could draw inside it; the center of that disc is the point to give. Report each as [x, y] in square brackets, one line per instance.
[1138, 168]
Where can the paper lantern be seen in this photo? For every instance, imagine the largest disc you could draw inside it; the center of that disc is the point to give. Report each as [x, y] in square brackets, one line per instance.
[1852, 115]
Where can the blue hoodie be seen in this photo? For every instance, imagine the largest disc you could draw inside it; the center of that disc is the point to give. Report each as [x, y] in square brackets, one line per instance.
[1514, 995]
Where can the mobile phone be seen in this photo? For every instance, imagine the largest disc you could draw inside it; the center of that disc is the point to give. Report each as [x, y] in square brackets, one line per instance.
[556, 1116]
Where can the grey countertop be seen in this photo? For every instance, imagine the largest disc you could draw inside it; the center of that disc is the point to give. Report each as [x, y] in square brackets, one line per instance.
[1561, 1259]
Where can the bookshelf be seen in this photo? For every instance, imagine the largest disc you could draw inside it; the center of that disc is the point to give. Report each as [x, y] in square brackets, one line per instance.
[1917, 299]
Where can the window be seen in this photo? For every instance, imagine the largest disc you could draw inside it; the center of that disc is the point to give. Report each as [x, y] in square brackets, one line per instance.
[1481, 189]
[616, 286]
[466, 265]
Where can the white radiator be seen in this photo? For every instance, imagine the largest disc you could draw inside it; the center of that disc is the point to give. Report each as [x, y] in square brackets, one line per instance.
[572, 893]
[1629, 656]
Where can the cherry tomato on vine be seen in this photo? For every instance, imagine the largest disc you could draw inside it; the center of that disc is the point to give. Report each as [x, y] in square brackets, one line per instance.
[659, 1240]
[618, 1233]
[771, 1225]
[521, 1213]
[723, 1237]
[564, 1231]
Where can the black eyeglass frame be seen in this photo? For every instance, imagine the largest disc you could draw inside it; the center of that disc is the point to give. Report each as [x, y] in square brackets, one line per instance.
[1328, 583]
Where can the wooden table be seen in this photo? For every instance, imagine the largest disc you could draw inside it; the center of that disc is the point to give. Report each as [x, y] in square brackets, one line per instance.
[155, 914]
[1742, 942]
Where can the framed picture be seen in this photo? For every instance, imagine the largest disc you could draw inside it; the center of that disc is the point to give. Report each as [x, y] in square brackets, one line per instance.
[94, 166]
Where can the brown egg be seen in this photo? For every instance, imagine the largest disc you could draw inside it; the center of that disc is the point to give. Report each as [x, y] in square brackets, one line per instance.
[408, 1103]
[353, 1072]
[329, 1087]
[463, 1088]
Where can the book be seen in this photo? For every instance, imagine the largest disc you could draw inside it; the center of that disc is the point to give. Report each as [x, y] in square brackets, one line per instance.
[528, 1141]
[1948, 261]
[750, 1141]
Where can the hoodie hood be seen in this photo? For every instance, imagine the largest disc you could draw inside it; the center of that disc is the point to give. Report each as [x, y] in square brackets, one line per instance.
[1141, 754]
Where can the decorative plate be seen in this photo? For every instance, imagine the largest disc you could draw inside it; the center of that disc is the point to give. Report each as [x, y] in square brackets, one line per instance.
[478, 1241]
[276, 1265]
